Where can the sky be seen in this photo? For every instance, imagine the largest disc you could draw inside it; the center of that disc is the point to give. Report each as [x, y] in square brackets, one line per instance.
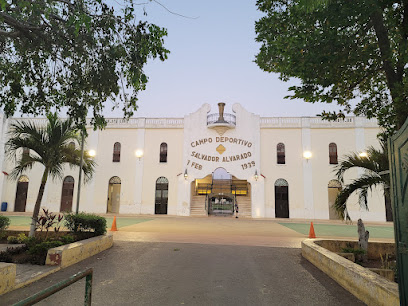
[212, 60]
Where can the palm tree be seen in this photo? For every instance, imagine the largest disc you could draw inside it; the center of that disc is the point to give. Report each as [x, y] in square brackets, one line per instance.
[49, 145]
[375, 166]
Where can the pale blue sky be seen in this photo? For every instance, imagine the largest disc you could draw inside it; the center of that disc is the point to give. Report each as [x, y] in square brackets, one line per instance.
[211, 61]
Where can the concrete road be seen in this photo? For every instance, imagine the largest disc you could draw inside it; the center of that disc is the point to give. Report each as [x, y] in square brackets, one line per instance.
[198, 261]
[152, 273]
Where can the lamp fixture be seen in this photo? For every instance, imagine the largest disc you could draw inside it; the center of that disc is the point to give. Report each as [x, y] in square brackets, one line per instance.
[363, 154]
[256, 175]
[185, 174]
[139, 154]
[92, 153]
[307, 155]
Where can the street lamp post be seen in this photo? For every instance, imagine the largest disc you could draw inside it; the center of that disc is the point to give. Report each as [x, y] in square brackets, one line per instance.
[81, 163]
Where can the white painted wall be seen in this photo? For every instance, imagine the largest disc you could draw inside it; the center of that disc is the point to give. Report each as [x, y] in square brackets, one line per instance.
[308, 192]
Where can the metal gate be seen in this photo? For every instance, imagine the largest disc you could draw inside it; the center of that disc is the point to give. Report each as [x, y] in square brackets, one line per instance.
[221, 204]
[398, 153]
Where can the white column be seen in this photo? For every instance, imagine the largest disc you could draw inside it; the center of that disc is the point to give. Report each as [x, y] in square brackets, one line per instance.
[183, 195]
[257, 197]
[307, 170]
[359, 131]
[138, 188]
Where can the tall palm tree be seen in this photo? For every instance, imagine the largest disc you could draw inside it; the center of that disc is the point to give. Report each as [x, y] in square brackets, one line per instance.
[375, 166]
[50, 146]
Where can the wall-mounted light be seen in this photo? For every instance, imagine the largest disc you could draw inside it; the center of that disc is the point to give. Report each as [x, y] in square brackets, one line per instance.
[363, 154]
[139, 154]
[256, 175]
[307, 155]
[185, 174]
[92, 153]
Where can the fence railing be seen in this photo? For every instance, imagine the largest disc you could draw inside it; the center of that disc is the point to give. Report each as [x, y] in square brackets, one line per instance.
[228, 118]
[61, 285]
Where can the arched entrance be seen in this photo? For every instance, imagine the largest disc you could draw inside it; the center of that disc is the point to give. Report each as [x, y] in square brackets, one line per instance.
[221, 200]
[161, 196]
[281, 198]
[114, 195]
[67, 194]
[333, 189]
[21, 194]
[220, 193]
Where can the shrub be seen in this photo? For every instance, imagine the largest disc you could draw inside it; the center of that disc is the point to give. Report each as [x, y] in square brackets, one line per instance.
[43, 247]
[354, 251]
[67, 239]
[21, 237]
[84, 222]
[4, 223]
[12, 240]
[39, 251]
[5, 257]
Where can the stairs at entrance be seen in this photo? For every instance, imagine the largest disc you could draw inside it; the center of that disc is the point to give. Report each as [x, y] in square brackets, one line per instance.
[244, 207]
[197, 207]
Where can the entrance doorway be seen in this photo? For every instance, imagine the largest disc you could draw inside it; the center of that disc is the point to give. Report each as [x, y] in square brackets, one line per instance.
[161, 196]
[67, 194]
[221, 200]
[21, 194]
[220, 193]
[114, 195]
[334, 187]
[281, 198]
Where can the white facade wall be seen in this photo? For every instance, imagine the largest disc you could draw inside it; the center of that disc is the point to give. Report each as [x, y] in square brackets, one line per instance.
[307, 179]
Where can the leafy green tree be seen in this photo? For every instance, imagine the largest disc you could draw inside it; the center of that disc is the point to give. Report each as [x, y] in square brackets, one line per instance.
[49, 146]
[375, 165]
[74, 55]
[342, 52]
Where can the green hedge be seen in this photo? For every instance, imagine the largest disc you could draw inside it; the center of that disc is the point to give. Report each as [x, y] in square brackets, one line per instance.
[84, 222]
[4, 222]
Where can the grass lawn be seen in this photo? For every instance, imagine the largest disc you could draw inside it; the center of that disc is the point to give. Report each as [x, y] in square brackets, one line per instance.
[120, 222]
[340, 230]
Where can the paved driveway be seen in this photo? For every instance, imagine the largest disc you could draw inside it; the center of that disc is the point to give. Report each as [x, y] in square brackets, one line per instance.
[199, 261]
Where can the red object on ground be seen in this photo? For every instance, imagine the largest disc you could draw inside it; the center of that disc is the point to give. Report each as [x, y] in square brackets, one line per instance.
[311, 231]
[114, 228]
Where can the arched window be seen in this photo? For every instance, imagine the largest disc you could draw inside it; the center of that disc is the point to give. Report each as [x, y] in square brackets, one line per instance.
[71, 145]
[116, 152]
[333, 153]
[280, 151]
[163, 152]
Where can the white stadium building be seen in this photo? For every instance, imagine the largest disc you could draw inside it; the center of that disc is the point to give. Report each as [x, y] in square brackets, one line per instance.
[208, 163]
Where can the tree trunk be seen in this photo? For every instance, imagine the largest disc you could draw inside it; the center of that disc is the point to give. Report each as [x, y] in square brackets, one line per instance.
[38, 203]
[363, 236]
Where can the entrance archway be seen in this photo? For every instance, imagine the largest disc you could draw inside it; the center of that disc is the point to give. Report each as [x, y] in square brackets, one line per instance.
[67, 194]
[281, 198]
[161, 196]
[114, 195]
[333, 189]
[21, 194]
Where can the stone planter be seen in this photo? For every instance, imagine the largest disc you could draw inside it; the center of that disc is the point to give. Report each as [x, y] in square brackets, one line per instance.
[59, 257]
[366, 285]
